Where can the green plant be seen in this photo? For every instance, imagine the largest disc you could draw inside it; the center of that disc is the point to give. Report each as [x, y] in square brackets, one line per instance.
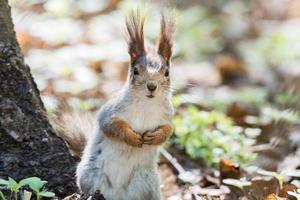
[287, 99]
[287, 115]
[35, 184]
[12, 185]
[2, 197]
[280, 175]
[212, 136]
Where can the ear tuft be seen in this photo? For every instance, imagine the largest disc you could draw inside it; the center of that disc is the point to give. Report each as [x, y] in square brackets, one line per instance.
[135, 35]
[165, 41]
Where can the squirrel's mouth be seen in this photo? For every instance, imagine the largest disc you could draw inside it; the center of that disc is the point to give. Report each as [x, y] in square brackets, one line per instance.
[150, 96]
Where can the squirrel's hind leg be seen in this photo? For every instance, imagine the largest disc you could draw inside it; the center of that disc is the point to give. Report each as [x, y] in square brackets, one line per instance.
[90, 176]
[144, 184]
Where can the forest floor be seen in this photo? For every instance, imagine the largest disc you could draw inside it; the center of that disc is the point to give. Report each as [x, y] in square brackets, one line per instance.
[237, 132]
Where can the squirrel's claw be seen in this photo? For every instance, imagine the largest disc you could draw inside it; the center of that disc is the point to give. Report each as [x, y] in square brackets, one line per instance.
[134, 139]
[153, 138]
[148, 136]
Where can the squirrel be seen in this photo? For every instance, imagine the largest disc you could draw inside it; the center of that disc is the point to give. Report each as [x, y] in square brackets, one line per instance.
[120, 155]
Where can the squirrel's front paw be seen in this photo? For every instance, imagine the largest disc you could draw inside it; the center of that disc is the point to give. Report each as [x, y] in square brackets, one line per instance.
[133, 139]
[159, 136]
[154, 138]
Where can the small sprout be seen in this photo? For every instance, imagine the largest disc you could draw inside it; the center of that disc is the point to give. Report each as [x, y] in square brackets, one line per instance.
[239, 183]
[13, 185]
[3, 182]
[278, 176]
[2, 197]
[34, 183]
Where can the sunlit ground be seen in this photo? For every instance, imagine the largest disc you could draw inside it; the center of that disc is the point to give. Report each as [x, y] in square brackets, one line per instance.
[235, 80]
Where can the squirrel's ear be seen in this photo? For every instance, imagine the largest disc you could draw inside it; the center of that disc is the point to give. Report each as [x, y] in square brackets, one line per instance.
[165, 41]
[135, 35]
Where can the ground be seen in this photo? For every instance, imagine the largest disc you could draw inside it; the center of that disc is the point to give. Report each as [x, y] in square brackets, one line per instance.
[235, 79]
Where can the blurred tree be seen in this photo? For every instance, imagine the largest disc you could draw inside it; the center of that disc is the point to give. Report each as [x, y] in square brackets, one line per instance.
[28, 144]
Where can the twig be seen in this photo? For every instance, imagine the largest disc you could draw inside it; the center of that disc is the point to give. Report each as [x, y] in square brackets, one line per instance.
[260, 147]
[173, 161]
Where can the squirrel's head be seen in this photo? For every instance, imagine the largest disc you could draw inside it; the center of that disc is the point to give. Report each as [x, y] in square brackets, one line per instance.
[149, 67]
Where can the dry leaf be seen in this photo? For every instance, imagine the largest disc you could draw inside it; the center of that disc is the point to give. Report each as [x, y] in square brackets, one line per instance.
[287, 187]
[273, 197]
[230, 67]
[229, 169]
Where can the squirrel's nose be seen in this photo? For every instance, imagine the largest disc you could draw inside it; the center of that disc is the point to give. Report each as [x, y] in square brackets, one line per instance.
[151, 87]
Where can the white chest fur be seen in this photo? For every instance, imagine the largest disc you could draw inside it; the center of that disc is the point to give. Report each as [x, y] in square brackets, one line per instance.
[141, 116]
[146, 115]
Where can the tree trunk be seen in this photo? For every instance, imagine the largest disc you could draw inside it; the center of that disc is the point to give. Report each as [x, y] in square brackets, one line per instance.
[28, 144]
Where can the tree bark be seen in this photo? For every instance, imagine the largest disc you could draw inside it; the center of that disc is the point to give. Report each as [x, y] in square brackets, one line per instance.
[28, 144]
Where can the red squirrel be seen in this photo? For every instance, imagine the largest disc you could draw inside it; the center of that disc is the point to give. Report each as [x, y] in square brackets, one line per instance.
[120, 157]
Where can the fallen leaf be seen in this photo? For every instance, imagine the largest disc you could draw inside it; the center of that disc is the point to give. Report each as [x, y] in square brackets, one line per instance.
[286, 187]
[229, 169]
[238, 113]
[230, 68]
[273, 197]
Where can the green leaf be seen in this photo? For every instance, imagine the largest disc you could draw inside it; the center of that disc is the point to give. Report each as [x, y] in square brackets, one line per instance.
[34, 183]
[2, 197]
[276, 175]
[280, 179]
[13, 185]
[47, 194]
[211, 135]
[3, 182]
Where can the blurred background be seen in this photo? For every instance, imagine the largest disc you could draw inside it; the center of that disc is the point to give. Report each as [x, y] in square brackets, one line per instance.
[235, 77]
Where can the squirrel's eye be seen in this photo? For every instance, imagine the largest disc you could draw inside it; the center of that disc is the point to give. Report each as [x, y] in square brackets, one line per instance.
[167, 73]
[135, 71]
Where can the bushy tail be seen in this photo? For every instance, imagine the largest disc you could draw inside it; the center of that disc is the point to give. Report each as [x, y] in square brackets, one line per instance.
[74, 128]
